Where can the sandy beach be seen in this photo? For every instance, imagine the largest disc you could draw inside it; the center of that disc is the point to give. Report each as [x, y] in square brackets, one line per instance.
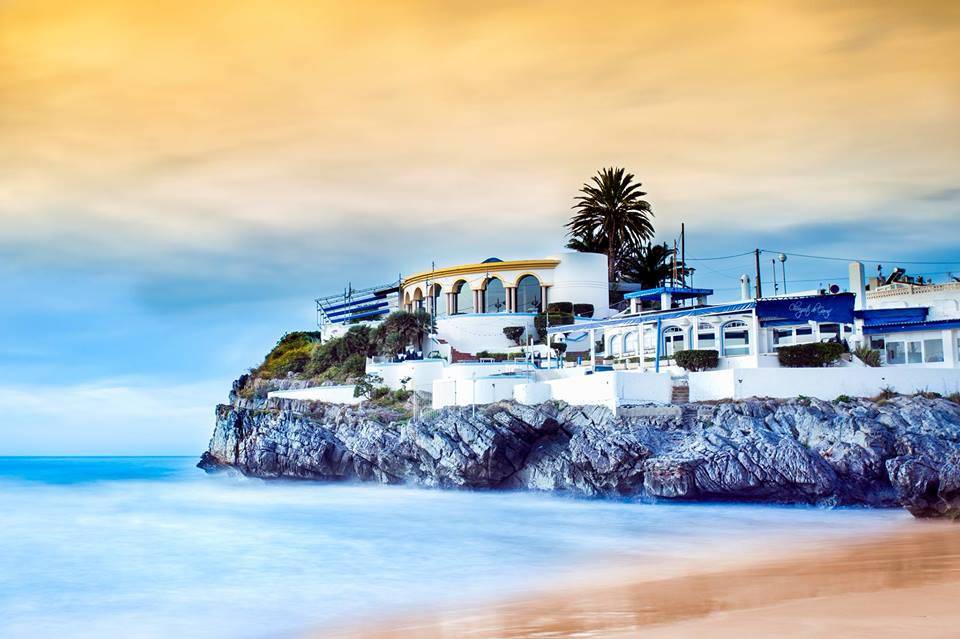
[904, 583]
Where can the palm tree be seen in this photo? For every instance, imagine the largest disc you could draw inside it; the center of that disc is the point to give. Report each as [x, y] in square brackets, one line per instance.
[589, 243]
[610, 207]
[650, 265]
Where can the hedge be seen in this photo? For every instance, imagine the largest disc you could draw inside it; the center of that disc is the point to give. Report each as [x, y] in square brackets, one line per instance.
[697, 360]
[815, 355]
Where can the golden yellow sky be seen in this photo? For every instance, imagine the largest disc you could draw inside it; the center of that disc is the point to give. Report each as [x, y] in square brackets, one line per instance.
[156, 125]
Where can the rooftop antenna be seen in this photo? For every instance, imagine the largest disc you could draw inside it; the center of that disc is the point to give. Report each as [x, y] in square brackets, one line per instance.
[776, 289]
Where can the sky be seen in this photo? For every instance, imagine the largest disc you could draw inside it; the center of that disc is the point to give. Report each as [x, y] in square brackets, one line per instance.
[180, 179]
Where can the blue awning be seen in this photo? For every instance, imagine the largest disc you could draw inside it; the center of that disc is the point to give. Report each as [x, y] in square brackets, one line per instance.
[904, 327]
[677, 292]
[876, 316]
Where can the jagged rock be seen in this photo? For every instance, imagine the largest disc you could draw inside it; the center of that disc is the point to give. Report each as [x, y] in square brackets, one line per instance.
[904, 451]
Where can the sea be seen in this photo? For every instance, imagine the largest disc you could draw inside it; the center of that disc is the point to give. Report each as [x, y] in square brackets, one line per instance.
[154, 547]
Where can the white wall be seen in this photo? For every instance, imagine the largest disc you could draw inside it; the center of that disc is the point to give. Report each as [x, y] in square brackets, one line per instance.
[473, 333]
[422, 373]
[331, 394]
[482, 390]
[581, 278]
[822, 383]
[609, 388]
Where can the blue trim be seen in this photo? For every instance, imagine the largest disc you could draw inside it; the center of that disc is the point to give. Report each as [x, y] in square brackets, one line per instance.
[659, 337]
[876, 316]
[906, 327]
[634, 320]
[409, 361]
[355, 302]
[359, 309]
[489, 314]
[341, 320]
[680, 292]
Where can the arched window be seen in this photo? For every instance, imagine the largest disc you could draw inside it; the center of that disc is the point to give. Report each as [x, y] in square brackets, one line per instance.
[673, 340]
[615, 346]
[706, 336]
[630, 343]
[736, 339]
[418, 300]
[463, 299]
[494, 296]
[528, 294]
[439, 301]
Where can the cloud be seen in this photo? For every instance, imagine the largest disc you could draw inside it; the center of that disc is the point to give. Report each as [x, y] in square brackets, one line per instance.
[111, 417]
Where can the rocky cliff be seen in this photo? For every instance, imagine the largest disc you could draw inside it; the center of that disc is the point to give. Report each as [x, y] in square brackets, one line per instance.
[903, 451]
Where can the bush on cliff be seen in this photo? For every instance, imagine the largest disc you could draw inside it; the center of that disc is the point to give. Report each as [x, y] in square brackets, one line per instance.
[292, 354]
[697, 360]
[815, 355]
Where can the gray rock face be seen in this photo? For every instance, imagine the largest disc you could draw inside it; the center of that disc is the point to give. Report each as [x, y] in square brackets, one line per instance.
[904, 451]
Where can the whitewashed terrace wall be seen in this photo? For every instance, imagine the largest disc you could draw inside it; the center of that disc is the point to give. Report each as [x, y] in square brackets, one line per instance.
[610, 388]
[331, 394]
[822, 383]
[467, 391]
[422, 373]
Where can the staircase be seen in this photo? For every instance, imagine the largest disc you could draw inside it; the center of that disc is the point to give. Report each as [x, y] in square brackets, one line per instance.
[681, 392]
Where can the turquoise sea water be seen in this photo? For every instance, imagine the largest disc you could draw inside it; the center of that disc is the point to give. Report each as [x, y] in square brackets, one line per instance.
[153, 547]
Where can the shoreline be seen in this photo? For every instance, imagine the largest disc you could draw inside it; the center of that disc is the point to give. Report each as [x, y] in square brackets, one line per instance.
[896, 581]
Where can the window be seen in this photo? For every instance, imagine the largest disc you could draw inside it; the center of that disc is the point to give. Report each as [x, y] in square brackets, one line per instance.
[528, 294]
[673, 340]
[439, 301]
[464, 298]
[877, 344]
[933, 350]
[615, 349]
[829, 332]
[630, 343]
[914, 352]
[896, 353]
[494, 297]
[736, 339]
[706, 336]
[788, 336]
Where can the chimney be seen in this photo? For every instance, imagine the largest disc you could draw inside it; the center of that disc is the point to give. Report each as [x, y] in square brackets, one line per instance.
[745, 287]
[858, 285]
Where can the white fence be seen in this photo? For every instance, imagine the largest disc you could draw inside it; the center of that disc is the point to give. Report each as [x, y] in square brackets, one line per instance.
[822, 383]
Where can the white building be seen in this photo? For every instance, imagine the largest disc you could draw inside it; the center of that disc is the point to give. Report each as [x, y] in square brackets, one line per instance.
[473, 303]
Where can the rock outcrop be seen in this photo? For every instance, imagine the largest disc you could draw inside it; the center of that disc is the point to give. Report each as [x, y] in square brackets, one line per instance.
[900, 452]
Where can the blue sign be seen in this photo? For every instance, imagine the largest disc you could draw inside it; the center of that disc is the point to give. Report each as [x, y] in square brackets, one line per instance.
[814, 308]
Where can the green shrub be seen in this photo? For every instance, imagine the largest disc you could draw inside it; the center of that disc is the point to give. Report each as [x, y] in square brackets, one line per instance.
[513, 333]
[886, 393]
[697, 360]
[367, 385]
[583, 310]
[354, 366]
[954, 397]
[556, 319]
[379, 392]
[560, 348]
[929, 395]
[560, 307]
[868, 356]
[292, 354]
[815, 355]
[842, 399]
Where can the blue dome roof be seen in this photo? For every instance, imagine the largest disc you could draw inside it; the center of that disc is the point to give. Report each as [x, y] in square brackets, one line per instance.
[490, 260]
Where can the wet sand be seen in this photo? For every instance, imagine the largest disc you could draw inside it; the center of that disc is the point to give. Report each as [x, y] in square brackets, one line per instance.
[905, 583]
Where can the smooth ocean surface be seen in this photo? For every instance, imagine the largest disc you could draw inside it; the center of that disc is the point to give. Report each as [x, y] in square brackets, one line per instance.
[153, 547]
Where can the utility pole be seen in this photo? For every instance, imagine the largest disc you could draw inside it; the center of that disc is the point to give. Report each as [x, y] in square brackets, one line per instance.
[683, 255]
[759, 288]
